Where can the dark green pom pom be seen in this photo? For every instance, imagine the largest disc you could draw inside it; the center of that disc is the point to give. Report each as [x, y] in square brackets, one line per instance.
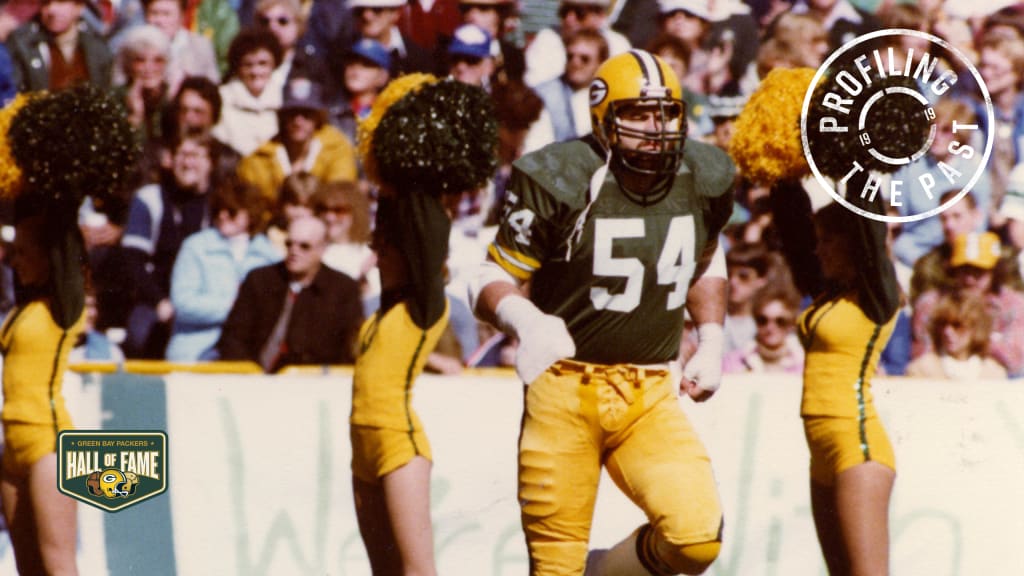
[441, 138]
[75, 143]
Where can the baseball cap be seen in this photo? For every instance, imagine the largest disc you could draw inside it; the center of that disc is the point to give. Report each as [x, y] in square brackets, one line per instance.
[1013, 202]
[978, 249]
[371, 51]
[470, 40]
[303, 94]
[699, 8]
[353, 4]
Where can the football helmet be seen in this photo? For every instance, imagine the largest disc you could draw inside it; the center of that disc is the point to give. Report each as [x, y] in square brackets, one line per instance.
[93, 483]
[131, 482]
[638, 115]
[112, 483]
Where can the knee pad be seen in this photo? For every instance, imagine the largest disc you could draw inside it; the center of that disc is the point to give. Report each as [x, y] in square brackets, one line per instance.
[694, 558]
[661, 558]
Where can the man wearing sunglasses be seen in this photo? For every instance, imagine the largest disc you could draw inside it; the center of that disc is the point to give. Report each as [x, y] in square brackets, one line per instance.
[297, 311]
[546, 54]
[287, 21]
[325, 24]
[497, 17]
[567, 98]
[378, 20]
[470, 57]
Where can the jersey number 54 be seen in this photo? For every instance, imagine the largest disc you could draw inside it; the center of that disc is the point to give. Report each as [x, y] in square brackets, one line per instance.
[675, 267]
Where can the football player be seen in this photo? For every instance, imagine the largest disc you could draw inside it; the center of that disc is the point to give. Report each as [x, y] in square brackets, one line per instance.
[615, 234]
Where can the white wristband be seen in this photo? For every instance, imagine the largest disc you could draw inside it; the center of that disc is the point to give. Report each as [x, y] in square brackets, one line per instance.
[705, 366]
[711, 333]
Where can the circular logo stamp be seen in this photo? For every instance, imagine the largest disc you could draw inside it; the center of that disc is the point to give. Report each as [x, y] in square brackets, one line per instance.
[903, 103]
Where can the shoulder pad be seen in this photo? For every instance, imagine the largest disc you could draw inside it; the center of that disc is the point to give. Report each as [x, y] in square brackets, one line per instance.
[563, 168]
[712, 168]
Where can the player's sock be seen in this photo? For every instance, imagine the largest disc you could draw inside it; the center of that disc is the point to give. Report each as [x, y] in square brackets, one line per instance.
[620, 560]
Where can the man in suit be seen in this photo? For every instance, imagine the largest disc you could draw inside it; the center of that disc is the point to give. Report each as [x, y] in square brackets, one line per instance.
[56, 49]
[297, 311]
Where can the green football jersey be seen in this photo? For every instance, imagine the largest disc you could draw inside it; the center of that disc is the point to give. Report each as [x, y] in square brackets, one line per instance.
[620, 281]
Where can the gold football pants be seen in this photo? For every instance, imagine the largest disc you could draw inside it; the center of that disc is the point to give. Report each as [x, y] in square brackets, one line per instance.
[579, 417]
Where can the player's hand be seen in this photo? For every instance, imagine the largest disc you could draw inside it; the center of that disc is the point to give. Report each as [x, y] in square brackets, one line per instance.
[543, 338]
[703, 372]
[693, 390]
[543, 343]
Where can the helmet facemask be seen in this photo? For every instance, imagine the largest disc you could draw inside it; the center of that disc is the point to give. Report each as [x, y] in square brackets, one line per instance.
[659, 150]
[646, 137]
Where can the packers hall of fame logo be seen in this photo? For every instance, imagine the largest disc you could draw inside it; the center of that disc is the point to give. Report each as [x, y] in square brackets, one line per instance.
[112, 470]
[908, 108]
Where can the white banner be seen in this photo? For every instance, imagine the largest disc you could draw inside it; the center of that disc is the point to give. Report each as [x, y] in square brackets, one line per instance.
[260, 481]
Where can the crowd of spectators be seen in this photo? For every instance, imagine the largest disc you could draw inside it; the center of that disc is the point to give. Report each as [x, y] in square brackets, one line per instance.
[248, 235]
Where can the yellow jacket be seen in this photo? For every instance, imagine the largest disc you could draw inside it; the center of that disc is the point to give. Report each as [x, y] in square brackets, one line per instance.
[332, 158]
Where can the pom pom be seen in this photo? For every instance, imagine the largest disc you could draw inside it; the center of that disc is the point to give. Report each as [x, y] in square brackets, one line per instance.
[10, 172]
[74, 143]
[442, 138]
[439, 136]
[392, 93]
[766, 145]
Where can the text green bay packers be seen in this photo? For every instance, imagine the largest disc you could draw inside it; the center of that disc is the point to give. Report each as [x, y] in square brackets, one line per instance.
[83, 462]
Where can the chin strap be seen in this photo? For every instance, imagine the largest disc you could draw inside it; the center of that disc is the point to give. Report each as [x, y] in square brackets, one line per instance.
[596, 181]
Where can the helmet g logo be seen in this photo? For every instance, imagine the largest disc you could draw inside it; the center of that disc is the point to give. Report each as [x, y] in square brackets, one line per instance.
[112, 483]
[598, 91]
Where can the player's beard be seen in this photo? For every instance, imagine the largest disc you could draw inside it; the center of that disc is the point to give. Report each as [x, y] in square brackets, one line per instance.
[644, 188]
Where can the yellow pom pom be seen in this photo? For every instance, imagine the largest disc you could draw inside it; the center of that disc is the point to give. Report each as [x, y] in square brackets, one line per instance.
[10, 173]
[766, 144]
[393, 92]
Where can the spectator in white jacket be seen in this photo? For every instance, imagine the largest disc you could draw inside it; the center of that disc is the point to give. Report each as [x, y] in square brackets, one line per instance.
[251, 97]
